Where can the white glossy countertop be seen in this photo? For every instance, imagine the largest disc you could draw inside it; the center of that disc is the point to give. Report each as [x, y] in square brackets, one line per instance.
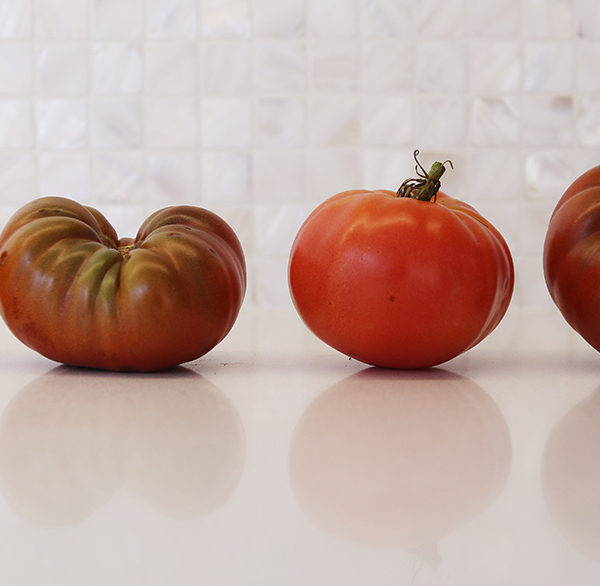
[274, 460]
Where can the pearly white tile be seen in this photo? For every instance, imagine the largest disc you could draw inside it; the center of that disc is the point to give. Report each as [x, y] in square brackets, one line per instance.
[334, 120]
[61, 19]
[171, 19]
[495, 121]
[551, 19]
[388, 18]
[170, 67]
[588, 121]
[496, 173]
[61, 124]
[494, 18]
[386, 168]
[495, 66]
[533, 224]
[279, 176]
[587, 18]
[171, 177]
[16, 17]
[548, 66]
[117, 20]
[117, 68]
[225, 18]
[440, 122]
[16, 122]
[387, 66]
[66, 174]
[547, 120]
[335, 65]
[280, 66]
[387, 120]
[285, 18]
[330, 171]
[225, 122]
[118, 176]
[333, 18]
[530, 288]
[225, 177]
[280, 122]
[170, 122]
[588, 65]
[116, 123]
[441, 18]
[226, 68]
[276, 227]
[270, 286]
[442, 67]
[63, 68]
[16, 75]
[18, 176]
[548, 172]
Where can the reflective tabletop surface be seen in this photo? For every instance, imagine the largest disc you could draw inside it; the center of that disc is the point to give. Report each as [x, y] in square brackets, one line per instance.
[274, 460]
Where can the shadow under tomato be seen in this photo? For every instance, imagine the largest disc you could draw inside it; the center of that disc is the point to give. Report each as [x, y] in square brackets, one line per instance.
[70, 439]
[387, 458]
[571, 475]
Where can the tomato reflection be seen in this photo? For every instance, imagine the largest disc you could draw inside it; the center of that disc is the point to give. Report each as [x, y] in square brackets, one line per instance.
[571, 475]
[400, 459]
[71, 438]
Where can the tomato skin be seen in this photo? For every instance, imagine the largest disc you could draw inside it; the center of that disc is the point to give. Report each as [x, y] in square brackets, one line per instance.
[397, 282]
[74, 292]
[572, 256]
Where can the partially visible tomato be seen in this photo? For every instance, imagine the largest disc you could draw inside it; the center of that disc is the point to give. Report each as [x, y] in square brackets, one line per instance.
[70, 289]
[572, 256]
[405, 279]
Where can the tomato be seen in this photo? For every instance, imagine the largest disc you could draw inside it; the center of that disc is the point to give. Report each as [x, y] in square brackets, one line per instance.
[70, 289]
[572, 256]
[405, 279]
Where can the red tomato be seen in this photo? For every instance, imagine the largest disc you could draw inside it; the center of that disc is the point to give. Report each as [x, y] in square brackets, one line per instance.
[572, 256]
[70, 289]
[397, 281]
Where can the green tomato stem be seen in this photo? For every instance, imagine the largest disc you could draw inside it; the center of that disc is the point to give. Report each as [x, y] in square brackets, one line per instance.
[427, 185]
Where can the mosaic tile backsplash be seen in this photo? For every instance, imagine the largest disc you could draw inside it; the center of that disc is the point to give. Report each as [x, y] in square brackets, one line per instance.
[259, 110]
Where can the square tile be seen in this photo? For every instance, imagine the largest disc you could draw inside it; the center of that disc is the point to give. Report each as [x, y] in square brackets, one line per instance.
[280, 122]
[548, 66]
[227, 19]
[441, 18]
[280, 66]
[335, 66]
[171, 19]
[170, 67]
[226, 68]
[226, 177]
[334, 121]
[388, 66]
[495, 18]
[495, 121]
[587, 65]
[18, 176]
[65, 174]
[63, 68]
[225, 122]
[388, 18]
[330, 171]
[440, 122]
[118, 176]
[495, 66]
[387, 121]
[333, 18]
[172, 177]
[16, 121]
[285, 18]
[15, 68]
[62, 124]
[116, 123]
[279, 176]
[117, 20]
[548, 120]
[61, 19]
[170, 122]
[550, 19]
[117, 68]
[16, 17]
[442, 67]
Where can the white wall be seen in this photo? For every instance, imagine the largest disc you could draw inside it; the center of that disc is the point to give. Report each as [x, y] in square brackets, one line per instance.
[259, 109]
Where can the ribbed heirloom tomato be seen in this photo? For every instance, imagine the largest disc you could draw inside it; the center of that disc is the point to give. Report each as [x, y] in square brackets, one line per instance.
[405, 279]
[76, 293]
[572, 256]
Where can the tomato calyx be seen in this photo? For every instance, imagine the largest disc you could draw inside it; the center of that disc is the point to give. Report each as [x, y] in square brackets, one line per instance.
[427, 185]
